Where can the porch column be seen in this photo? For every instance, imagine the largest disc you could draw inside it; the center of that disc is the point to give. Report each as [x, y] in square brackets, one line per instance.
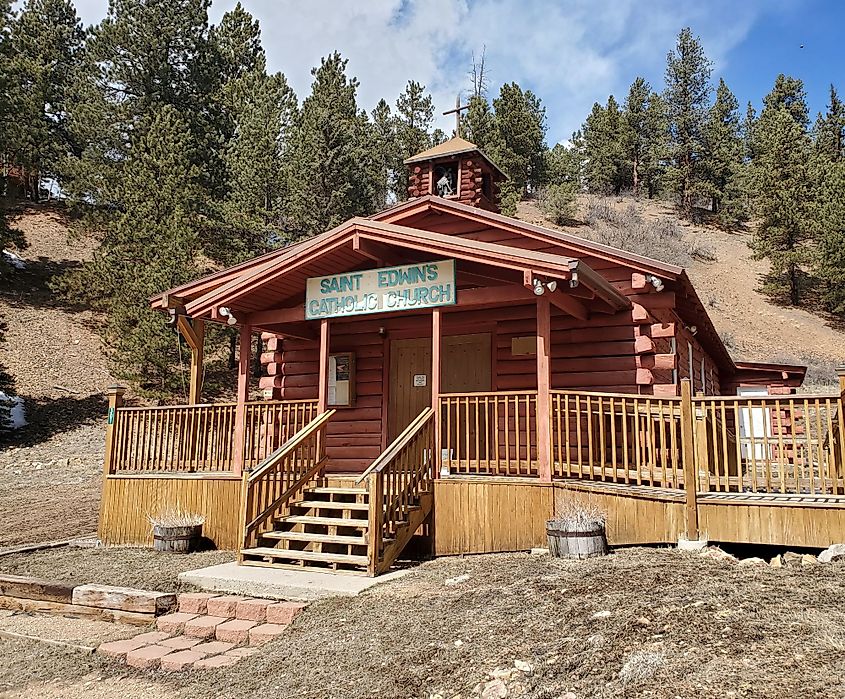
[544, 381]
[436, 342]
[244, 363]
[197, 356]
[323, 388]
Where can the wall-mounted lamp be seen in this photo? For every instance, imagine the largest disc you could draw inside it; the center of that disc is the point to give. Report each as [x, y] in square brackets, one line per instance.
[226, 312]
[540, 287]
[382, 332]
[693, 329]
[656, 282]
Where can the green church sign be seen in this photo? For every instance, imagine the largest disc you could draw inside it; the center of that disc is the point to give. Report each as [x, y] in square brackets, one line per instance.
[382, 290]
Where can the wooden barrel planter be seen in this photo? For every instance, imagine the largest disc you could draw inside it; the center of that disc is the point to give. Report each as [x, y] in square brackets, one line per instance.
[564, 542]
[176, 539]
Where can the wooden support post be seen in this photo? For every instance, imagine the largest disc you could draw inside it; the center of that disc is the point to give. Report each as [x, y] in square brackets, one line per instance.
[544, 379]
[376, 513]
[688, 459]
[839, 459]
[244, 364]
[840, 372]
[115, 394]
[197, 358]
[436, 375]
[323, 388]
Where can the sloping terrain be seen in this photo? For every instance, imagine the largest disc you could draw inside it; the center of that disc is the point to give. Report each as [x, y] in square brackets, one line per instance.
[50, 468]
[753, 328]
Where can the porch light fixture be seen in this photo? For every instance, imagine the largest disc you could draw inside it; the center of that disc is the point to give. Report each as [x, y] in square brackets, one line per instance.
[226, 312]
[656, 282]
[540, 287]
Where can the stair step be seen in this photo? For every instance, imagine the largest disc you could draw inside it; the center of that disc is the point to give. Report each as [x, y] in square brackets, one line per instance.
[337, 491]
[330, 521]
[305, 555]
[328, 505]
[317, 538]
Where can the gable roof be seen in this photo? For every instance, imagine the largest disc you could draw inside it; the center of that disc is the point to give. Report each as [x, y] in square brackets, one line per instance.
[293, 265]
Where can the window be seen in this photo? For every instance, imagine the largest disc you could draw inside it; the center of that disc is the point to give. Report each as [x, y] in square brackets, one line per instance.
[341, 380]
[446, 180]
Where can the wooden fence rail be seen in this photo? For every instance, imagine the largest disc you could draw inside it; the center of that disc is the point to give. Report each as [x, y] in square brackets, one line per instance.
[201, 438]
[769, 444]
[267, 490]
[489, 433]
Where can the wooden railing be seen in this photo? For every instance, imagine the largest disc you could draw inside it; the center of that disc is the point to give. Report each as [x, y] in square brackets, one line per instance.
[269, 424]
[267, 489]
[489, 433]
[201, 438]
[769, 444]
[619, 438]
[397, 483]
[183, 438]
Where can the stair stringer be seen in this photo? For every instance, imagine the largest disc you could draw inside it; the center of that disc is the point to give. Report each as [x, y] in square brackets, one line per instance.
[415, 520]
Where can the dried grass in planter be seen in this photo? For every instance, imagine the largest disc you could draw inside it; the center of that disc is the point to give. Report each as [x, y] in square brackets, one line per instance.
[577, 531]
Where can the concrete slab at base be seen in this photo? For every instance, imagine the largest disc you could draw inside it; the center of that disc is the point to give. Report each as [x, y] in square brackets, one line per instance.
[692, 544]
[281, 583]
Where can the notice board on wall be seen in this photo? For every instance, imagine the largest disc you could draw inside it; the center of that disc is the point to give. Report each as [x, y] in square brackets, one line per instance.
[341, 380]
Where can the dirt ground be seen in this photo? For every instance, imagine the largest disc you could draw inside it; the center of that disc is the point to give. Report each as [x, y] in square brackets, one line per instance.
[639, 623]
[116, 565]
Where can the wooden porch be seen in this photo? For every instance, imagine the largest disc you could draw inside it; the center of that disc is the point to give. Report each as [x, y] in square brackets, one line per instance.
[473, 473]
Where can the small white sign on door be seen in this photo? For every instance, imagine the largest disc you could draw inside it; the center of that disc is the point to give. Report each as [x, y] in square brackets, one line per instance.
[420, 379]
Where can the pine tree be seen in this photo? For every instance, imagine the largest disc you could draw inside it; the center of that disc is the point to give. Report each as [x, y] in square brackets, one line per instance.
[46, 46]
[152, 244]
[830, 130]
[830, 255]
[387, 157]
[782, 181]
[478, 126]
[557, 198]
[263, 112]
[605, 137]
[141, 57]
[687, 99]
[637, 130]
[326, 179]
[521, 124]
[723, 156]
[414, 114]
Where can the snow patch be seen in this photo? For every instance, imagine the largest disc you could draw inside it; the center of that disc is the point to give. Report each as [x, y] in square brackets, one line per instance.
[17, 410]
[15, 260]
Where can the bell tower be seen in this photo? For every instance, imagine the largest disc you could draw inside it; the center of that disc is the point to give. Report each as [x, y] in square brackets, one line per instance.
[458, 170]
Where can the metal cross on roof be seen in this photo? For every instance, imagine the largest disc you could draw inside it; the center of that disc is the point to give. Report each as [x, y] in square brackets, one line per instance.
[457, 112]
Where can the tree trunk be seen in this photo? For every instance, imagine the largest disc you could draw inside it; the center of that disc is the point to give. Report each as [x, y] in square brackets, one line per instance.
[636, 176]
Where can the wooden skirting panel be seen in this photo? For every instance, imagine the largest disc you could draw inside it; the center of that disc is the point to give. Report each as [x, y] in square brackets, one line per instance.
[631, 519]
[487, 515]
[782, 525]
[127, 502]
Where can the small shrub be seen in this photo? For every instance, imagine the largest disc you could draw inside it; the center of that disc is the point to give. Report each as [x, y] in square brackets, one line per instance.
[557, 202]
[640, 666]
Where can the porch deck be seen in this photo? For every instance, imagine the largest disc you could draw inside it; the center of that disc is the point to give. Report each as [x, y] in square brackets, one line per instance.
[662, 467]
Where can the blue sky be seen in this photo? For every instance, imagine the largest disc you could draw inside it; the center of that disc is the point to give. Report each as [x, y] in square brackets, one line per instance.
[571, 53]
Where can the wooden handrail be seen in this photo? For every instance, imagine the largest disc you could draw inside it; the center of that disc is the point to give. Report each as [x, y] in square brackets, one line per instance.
[283, 474]
[289, 446]
[397, 444]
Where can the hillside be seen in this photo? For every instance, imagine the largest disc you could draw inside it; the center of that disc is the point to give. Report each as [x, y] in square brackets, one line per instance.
[753, 328]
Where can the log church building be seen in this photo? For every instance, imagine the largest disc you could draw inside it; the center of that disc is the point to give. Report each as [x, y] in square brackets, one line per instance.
[442, 373]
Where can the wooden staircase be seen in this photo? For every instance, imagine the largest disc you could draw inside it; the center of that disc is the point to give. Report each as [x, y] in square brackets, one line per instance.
[295, 517]
[328, 529]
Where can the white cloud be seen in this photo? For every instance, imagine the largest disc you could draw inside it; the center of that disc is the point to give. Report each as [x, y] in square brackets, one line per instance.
[570, 53]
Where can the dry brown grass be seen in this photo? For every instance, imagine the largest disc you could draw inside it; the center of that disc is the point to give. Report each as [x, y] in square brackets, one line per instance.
[724, 630]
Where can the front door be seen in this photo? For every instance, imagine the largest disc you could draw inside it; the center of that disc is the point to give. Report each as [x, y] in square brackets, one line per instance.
[466, 367]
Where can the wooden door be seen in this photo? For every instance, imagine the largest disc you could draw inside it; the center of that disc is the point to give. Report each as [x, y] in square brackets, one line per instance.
[408, 358]
[467, 367]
